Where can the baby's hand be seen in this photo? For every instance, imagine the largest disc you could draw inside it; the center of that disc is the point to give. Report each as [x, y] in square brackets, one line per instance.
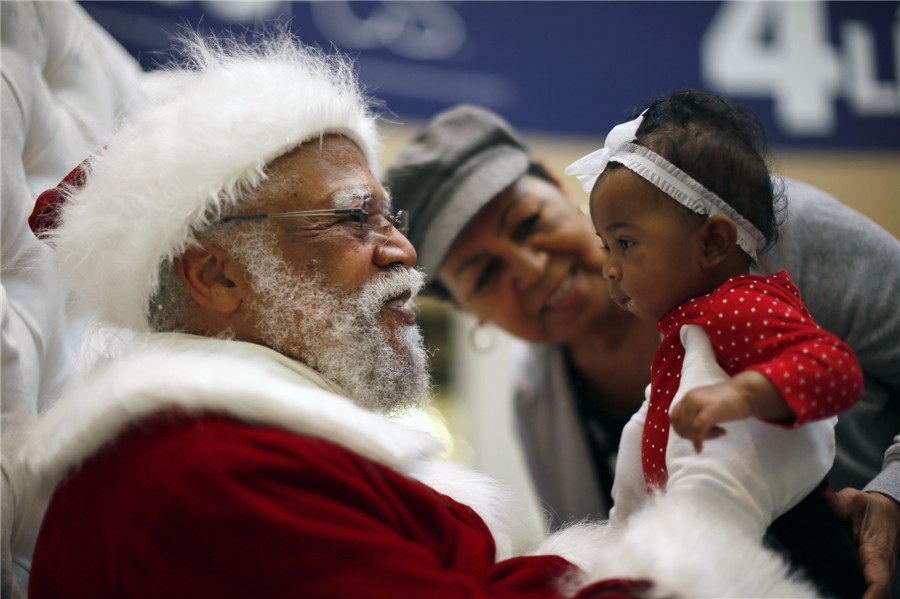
[698, 414]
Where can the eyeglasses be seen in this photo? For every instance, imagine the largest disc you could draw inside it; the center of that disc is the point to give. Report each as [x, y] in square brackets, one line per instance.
[370, 229]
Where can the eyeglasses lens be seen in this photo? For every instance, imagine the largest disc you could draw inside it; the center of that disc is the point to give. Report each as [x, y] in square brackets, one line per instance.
[379, 229]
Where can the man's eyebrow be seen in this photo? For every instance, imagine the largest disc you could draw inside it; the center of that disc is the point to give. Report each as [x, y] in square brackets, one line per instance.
[351, 196]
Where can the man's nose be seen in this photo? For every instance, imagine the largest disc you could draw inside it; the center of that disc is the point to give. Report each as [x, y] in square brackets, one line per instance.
[396, 249]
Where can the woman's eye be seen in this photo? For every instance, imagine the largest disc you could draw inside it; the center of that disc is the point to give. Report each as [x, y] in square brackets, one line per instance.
[486, 275]
[526, 227]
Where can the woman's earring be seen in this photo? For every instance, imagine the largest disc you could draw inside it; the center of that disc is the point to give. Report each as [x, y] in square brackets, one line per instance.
[481, 338]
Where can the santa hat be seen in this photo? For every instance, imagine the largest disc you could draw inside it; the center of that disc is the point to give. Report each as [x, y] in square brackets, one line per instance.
[194, 153]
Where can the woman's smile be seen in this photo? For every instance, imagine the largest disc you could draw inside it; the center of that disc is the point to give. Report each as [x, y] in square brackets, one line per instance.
[562, 292]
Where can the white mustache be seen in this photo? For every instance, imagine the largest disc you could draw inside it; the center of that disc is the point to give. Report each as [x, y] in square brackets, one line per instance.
[395, 282]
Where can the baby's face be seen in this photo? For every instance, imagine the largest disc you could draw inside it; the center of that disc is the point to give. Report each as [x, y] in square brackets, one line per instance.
[654, 244]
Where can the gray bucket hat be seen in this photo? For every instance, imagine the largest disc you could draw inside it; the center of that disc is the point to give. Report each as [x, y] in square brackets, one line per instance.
[451, 170]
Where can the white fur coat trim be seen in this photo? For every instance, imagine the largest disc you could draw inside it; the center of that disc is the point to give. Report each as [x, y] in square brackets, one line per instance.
[253, 384]
[199, 374]
[673, 542]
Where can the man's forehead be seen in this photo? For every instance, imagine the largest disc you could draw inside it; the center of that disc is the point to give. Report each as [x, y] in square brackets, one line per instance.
[327, 172]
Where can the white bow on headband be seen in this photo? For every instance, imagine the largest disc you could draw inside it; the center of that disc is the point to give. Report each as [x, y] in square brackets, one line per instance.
[587, 169]
[673, 181]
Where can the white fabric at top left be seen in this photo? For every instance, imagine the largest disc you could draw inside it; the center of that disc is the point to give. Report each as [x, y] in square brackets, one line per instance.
[65, 82]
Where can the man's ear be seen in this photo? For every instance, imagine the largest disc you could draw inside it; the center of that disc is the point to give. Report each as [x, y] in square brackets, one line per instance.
[211, 277]
[719, 234]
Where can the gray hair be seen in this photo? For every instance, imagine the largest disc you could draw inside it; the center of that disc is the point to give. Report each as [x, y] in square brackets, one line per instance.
[170, 308]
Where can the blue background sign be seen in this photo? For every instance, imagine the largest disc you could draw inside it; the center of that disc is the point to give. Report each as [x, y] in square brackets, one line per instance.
[819, 74]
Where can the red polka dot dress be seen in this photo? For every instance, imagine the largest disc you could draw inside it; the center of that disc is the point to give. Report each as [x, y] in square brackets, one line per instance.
[754, 323]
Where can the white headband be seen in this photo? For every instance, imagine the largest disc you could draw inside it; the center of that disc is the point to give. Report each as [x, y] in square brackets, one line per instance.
[673, 181]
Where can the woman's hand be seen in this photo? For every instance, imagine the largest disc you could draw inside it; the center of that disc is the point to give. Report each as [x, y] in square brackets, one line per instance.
[875, 520]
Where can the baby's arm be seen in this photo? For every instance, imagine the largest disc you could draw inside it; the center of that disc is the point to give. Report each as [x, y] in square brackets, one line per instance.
[697, 416]
[787, 370]
[757, 471]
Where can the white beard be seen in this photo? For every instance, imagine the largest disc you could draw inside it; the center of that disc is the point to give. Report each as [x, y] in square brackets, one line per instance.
[336, 333]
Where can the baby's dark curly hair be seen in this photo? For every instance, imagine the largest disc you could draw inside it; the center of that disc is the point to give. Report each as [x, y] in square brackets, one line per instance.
[720, 143]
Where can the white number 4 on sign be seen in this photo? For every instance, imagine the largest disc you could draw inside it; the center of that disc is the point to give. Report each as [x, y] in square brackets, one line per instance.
[782, 50]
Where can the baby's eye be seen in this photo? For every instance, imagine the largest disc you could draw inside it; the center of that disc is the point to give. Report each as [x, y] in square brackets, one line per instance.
[625, 243]
[602, 243]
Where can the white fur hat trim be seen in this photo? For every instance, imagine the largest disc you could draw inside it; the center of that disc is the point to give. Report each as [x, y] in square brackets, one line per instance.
[202, 143]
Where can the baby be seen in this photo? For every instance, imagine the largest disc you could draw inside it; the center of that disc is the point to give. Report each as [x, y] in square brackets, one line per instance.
[683, 200]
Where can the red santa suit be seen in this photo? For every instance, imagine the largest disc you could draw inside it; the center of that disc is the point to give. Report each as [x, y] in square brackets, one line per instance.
[748, 323]
[198, 467]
